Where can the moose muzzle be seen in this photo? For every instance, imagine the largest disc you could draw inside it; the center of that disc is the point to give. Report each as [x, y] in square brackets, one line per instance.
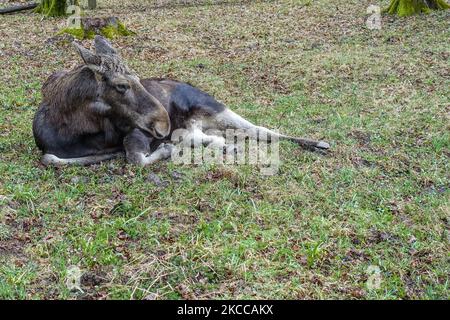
[160, 127]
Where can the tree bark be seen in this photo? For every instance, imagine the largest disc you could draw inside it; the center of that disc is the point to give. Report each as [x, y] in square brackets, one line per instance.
[405, 8]
[92, 4]
[109, 27]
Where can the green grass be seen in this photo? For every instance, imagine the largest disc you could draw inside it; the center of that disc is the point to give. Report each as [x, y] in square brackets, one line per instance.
[379, 198]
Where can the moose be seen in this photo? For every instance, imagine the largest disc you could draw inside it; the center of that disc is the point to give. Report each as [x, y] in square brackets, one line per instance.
[101, 110]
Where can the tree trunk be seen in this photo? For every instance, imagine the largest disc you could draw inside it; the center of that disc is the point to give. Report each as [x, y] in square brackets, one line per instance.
[109, 27]
[54, 8]
[405, 8]
[92, 4]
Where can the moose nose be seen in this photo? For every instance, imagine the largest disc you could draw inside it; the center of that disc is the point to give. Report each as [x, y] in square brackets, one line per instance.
[161, 129]
[158, 135]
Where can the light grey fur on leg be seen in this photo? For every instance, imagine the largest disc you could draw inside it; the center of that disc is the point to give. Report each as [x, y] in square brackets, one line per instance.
[164, 151]
[227, 119]
[196, 137]
[51, 159]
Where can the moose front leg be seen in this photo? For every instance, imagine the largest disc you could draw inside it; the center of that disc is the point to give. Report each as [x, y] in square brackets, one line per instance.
[137, 148]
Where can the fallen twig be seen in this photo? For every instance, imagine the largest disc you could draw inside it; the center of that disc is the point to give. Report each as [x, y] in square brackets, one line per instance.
[18, 8]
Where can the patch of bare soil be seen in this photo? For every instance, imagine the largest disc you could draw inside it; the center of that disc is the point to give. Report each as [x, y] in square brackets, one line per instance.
[13, 249]
[13, 245]
[363, 138]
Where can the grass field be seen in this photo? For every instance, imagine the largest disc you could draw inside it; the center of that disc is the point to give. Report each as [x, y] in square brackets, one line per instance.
[378, 201]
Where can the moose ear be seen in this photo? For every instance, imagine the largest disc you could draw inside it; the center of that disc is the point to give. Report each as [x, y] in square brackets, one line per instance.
[103, 46]
[88, 57]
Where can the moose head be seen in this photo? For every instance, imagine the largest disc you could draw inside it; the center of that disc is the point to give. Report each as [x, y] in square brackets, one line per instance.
[120, 92]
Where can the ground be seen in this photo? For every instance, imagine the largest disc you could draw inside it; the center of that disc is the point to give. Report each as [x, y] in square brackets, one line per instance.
[377, 201]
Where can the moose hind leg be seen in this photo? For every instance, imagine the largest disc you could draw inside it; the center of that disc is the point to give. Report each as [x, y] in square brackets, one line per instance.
[228, 119]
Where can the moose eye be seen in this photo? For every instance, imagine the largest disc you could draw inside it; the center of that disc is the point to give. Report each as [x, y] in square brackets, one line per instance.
[122, 88]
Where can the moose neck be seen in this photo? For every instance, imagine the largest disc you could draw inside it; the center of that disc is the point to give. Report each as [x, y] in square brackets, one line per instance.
[70, 90]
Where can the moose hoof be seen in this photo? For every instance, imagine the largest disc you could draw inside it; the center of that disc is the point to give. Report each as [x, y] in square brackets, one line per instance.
[50, 159]
[165, 150]
[323, 145]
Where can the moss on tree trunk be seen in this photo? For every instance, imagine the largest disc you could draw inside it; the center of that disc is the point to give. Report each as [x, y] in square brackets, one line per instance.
[405, 8]
[109, 27]
[92, 4]
[54, 8]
